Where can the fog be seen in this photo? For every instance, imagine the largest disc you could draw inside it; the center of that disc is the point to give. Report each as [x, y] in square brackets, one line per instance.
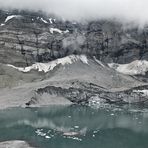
[125, 10]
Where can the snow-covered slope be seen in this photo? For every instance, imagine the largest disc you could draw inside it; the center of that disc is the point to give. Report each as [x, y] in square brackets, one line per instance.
[45, 67]
[143, 92]
[11, 17]
[134, 68]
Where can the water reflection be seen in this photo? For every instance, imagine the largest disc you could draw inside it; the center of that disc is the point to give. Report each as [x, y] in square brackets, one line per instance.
[79, 123]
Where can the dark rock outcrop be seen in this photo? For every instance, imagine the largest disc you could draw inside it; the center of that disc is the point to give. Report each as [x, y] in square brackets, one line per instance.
[29, 38]
[84, 96]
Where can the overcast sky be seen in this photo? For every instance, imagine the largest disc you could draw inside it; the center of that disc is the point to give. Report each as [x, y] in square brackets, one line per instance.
[130, 10]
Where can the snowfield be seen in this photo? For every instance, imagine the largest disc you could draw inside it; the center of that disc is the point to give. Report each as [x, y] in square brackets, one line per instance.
[11, 17]
[138, 67]
[46, 67]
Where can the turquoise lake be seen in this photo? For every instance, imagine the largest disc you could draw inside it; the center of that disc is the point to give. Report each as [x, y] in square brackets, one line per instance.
[76, 127]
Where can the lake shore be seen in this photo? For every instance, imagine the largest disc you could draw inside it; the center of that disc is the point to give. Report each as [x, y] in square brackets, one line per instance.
[15, 144]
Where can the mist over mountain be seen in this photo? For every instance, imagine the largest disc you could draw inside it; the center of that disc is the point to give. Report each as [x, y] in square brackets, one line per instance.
[72, 72]
[126, 11]
[45, 60]
[49, 56]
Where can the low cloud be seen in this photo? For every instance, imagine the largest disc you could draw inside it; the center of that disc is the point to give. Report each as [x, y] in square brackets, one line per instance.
[127, 10]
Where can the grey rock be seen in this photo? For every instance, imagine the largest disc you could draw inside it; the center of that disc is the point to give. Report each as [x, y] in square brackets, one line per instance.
[27, 39]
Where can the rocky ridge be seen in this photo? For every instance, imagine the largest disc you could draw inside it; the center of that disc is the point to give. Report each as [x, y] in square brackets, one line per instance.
[28, 37]
[46, 60]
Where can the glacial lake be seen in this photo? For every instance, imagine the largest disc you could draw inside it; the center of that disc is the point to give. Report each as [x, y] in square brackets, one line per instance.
[76, 127]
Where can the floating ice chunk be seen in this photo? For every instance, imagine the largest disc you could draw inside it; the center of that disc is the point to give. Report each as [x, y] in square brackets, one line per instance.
[95, 132]
[93, 135]
[11, 17]
[71, 133]
[40, 133]
[47, 137]
[74, 138]
[84, 59]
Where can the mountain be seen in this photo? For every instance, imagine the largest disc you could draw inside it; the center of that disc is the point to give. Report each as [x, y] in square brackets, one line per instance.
[45, 60]
[28, 37]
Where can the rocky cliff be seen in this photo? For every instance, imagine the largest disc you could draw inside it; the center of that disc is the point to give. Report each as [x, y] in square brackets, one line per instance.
[29, 37]
[44, 58]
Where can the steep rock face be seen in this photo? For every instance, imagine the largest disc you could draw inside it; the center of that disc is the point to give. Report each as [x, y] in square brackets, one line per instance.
[29, 37]
[44, 58]
[90, 94]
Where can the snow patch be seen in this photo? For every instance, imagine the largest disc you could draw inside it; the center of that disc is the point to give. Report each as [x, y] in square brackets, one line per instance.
[99, 62]
[144, 92]
[66, 31]
[44, 21]
[11, 17]
[46, 67]
[74, 23]
[52, 30]
[2, 24]
[83, 58]
[50, 20]
[138, 67]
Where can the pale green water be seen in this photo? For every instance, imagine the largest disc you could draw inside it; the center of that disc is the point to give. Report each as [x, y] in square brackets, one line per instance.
[97, 128]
